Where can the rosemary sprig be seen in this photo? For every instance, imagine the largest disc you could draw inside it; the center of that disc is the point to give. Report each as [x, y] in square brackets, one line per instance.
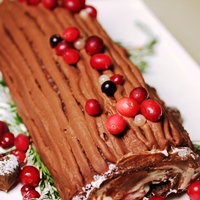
[2, 82]
[46, 184]
[197, 145]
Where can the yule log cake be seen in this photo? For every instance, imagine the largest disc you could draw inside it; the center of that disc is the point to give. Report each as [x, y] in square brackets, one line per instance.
[100, 129]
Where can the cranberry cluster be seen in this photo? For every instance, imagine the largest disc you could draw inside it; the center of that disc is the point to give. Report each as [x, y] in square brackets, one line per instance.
[68, 44]
[92, 106]
[74, 6]
[71, 41]
[29, 175]
[30, 178]
[137, 105]
[8, 140]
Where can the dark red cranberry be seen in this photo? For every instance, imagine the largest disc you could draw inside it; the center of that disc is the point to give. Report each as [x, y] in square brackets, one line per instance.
[91, 11]
[117, 79]
[26, 188]
[92, 107]
[139, 94]
[54, 40]
[3, 128]
[7, 140]
[94, 44]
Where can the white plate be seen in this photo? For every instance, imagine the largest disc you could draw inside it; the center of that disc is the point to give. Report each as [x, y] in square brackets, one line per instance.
[171, 70]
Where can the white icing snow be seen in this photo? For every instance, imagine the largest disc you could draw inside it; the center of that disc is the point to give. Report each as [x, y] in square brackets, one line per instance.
[8, 164]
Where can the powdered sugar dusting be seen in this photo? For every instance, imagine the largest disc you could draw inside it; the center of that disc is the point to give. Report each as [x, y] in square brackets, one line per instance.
[8, 164]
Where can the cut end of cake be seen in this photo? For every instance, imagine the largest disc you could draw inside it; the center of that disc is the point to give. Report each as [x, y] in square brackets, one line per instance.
[158, 173]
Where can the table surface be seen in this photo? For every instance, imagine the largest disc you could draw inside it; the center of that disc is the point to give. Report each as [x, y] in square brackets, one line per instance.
[182, 19]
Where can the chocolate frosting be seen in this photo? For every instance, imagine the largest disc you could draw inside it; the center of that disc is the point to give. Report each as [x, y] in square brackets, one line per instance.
[50, 96]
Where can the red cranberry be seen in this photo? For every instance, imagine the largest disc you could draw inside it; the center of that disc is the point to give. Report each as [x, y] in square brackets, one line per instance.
[26, 188]
[117, 79]
[7, 140]
[50, 4]
[139, 94]
[100, 61]
[71, 34]
[92, 107]
[127, 107]
[73, 5]
[62, 46]
[29, 175]
[193, 190]
[31, 195]
[115, 124]
[71, 56]
[21, 156]
[33, 2]
[22, 142]
[151, 110]
[91, 11]
[3, 128]
[94, 45]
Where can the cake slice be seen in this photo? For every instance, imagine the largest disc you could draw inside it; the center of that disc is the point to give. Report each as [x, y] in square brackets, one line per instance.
[9, 172]
[86, 160]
